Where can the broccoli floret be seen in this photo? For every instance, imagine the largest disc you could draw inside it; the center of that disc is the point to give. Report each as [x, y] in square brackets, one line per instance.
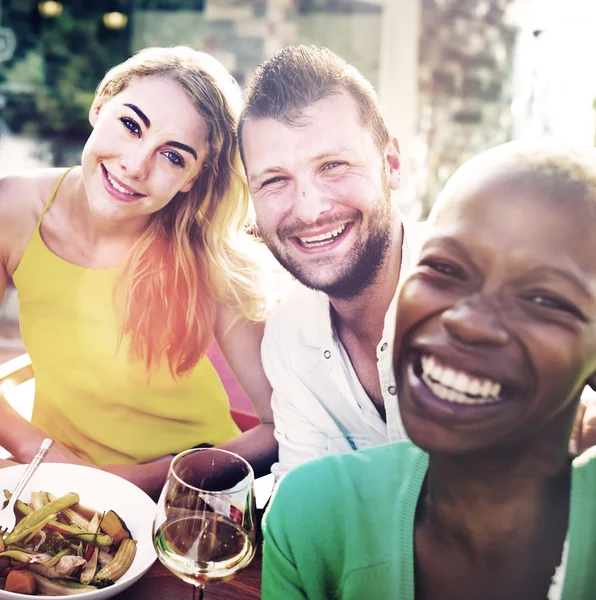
[103, 583]
[55, 542]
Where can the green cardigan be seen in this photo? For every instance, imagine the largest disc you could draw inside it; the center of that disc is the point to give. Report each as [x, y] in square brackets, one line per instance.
[342, 527]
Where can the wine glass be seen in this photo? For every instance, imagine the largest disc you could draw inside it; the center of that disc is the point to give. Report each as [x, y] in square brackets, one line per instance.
[204, 529]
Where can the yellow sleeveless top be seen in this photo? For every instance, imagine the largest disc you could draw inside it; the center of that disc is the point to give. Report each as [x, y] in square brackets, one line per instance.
[89, 394]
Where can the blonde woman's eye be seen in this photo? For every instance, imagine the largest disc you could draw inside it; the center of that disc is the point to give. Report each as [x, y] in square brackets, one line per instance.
[174, 158]
[131, 125]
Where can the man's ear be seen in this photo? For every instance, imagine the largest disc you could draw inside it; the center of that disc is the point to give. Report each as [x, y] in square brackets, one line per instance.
[393, 163]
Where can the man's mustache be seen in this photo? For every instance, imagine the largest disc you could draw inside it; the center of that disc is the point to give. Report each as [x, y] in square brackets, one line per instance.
[299, 229]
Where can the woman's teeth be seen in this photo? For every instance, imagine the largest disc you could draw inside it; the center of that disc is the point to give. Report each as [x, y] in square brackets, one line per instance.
[458, 386]
[118, 187]
[324, 238]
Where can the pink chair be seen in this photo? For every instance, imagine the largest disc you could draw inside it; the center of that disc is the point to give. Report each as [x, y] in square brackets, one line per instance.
[238, 398]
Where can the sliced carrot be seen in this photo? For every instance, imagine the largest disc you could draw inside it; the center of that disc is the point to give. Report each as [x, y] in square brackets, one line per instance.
[21, 582]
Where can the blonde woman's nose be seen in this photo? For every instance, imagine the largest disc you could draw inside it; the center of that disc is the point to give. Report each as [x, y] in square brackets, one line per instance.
[136, 165]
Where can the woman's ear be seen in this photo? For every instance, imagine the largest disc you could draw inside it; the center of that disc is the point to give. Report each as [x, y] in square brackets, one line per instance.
[94, 112]
[98, 102]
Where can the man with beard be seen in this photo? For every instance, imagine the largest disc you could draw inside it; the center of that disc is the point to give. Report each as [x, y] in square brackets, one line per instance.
[322, 167]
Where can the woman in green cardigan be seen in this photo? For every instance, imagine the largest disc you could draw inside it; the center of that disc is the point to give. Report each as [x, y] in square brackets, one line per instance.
[495, 340]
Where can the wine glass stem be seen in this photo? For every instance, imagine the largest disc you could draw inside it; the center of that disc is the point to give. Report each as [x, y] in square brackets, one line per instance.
[197, 592]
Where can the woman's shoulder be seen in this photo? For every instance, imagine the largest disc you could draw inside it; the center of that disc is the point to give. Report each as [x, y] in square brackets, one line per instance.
[318, 498]
[23, 196]
[583, 481]
[586, 462]
[29, 186]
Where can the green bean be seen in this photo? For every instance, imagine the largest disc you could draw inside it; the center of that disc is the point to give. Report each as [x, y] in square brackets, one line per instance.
[71, 530]
[17, 536]
[17, 555]
[98, 539]
[33, 517]
[56, 558]
[73, 516]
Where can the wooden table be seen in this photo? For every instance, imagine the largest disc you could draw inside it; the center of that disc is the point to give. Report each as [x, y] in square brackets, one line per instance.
[160, 584]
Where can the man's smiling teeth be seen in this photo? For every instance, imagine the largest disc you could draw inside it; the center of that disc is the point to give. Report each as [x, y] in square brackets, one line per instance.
[458, 386]
[324, 238]
[117, 186]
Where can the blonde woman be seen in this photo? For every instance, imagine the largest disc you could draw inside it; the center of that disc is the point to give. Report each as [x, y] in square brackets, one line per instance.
[127, 266]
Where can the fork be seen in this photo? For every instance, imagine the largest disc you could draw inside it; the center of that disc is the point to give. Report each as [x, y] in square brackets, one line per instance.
[7, 516]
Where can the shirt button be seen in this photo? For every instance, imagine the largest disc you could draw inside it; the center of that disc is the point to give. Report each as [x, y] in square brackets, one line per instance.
[391, 389]
[384, 347]
[327, 354]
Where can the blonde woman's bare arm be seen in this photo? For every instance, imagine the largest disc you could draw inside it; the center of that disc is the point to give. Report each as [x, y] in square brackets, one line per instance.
[20, 206]
[22, 439]
[240, 343]
[150, 477]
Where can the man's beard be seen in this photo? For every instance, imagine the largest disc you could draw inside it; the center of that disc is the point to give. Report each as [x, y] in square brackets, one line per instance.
[361, 264]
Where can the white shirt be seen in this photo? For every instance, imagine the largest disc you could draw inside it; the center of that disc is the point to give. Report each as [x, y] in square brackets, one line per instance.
[319, 404]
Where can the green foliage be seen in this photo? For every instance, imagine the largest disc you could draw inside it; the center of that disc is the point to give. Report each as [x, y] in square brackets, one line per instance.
[171, 4]
[27, 71]
[50, 83]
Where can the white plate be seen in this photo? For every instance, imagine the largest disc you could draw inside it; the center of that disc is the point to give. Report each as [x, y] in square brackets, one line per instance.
[101, 491]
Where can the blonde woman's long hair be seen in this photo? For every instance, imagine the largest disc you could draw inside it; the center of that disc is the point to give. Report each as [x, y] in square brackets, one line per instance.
[193, 253]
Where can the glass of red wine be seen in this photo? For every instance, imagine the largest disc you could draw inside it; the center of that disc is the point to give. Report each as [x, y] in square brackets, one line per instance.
[205, 526]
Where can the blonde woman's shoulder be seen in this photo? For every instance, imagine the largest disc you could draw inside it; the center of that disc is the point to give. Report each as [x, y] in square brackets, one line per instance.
[30, 188]
[23, 196]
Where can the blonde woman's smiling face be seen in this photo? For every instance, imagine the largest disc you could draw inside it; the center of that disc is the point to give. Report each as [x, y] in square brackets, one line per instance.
[148, 143]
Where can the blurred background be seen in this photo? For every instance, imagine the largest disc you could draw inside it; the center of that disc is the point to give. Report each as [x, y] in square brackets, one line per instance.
[454, 76]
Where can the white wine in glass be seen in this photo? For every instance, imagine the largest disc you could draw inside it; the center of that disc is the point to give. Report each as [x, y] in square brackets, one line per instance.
[204, 529]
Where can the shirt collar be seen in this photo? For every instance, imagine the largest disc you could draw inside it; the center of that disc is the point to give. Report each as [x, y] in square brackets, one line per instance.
[317, 331]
